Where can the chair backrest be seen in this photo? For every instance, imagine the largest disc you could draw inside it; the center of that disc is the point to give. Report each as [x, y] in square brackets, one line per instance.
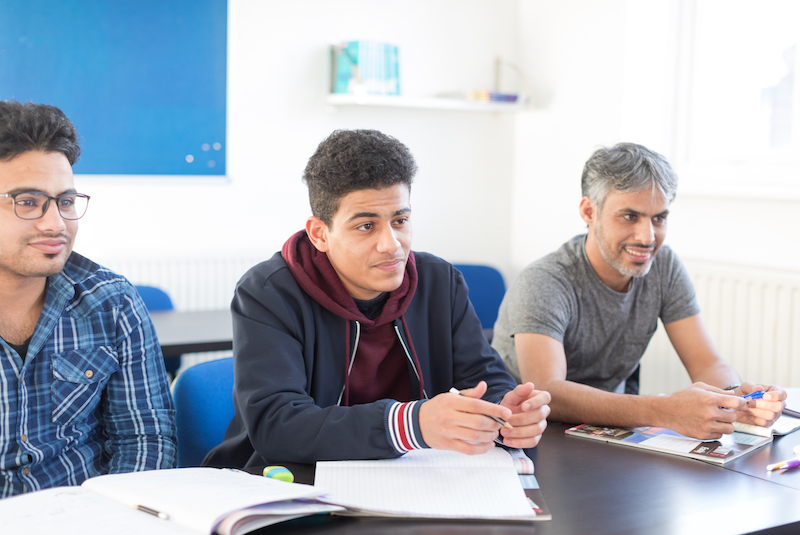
[203, 396]
[155, 299]
[486, 291]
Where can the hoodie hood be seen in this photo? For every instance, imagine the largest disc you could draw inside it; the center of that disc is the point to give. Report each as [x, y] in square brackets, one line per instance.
[314, 273]
[380, 369]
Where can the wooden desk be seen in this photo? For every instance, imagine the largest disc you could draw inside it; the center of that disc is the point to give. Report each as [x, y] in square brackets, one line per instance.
[604, 489]
[190, 332]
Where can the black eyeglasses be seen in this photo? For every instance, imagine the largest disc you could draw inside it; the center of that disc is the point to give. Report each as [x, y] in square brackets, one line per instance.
[34, 204]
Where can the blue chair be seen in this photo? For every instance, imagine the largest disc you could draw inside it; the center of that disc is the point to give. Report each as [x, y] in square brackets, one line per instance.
[486, 291]
[156, 299]
[203, 396]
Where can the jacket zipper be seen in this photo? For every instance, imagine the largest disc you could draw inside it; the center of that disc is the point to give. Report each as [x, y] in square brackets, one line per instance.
[409, 358]
[352, 360]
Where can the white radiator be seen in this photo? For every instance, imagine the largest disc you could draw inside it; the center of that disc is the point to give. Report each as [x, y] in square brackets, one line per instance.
[192, 284]
[753, 318]
[752, 315]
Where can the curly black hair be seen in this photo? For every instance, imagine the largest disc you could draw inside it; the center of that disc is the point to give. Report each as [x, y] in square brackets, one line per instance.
[29, 126]
[354, 160]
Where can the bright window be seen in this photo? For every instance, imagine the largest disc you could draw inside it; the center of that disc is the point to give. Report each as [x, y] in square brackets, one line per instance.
[741, 105]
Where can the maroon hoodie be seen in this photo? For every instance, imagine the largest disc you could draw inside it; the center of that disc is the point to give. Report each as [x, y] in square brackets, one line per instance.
[379, 368]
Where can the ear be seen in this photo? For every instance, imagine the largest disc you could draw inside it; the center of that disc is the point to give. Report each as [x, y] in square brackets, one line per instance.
[588, 211]
[317, 232]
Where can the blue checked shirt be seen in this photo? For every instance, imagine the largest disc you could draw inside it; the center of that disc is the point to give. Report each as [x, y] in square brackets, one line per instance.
[92, 396]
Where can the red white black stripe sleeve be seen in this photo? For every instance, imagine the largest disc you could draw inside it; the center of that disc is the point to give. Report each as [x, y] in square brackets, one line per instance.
[403, 426]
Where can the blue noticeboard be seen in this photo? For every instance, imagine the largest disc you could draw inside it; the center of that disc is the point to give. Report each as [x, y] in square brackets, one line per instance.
[144, 81]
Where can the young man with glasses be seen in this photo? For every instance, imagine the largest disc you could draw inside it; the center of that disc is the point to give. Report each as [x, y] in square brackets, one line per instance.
[83, 389]
[346, 343]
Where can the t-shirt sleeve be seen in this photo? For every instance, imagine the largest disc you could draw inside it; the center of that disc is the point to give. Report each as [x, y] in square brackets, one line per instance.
[679, 300]
[539, 302]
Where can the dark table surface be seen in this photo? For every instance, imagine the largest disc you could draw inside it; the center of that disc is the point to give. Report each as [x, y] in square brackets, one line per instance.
[598, 488]
[781, 449]
[193, 331]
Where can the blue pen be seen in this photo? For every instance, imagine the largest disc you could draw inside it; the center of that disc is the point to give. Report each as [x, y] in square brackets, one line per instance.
[758, 394]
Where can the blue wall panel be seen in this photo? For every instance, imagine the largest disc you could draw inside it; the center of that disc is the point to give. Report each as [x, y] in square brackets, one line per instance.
[144, 81]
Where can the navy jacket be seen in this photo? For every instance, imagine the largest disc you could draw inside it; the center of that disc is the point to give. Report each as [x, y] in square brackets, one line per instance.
[290, 362]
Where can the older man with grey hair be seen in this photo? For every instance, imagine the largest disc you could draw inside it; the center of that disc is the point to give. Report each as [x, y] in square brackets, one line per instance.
[576, 322]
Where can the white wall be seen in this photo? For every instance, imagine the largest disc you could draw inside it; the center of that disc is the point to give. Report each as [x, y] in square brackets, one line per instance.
[605, 72]
[492, 188]
[278, 78]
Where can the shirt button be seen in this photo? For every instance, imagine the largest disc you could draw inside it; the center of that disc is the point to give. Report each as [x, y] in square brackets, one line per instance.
[89, 374]
[24, 438]
[26, 471]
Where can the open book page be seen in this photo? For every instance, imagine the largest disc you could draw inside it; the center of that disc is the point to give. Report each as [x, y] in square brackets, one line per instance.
[198, 498]
[260, 516]
[429, 483]
[782, 426]
[77, 511]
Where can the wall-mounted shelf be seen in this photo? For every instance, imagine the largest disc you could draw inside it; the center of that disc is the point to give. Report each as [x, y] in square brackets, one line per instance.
[432, 103]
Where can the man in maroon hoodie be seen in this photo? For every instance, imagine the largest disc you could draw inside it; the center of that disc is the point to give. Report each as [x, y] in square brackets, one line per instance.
[346, 343]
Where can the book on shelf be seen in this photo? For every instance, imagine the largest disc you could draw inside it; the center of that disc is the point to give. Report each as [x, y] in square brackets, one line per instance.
[180, 501]
[432, 483]
[365, 67]
[661, 439]
[476, 95]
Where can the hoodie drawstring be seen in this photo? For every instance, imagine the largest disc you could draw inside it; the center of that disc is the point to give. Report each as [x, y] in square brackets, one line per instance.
[415, 362]
[349, 365]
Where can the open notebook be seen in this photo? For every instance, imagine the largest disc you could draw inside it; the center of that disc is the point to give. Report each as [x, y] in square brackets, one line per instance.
[429, 484]
[782, 426]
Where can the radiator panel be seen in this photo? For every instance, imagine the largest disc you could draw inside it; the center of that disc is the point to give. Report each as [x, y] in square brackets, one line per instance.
[753, 318]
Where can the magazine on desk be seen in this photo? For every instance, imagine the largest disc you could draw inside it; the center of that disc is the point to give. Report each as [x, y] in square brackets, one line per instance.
[524, 467]
[664, 440]
[181, 501]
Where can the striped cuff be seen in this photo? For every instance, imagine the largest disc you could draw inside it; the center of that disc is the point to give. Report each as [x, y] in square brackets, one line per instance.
[403, 426]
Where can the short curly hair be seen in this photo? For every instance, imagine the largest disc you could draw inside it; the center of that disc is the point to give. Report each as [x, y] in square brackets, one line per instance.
[26, 127]
[354, 160]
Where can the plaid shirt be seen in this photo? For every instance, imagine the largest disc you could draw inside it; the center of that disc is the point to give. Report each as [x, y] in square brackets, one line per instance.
[92, 395]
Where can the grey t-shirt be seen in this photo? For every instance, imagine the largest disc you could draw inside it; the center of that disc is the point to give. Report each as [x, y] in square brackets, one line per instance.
[604, 332]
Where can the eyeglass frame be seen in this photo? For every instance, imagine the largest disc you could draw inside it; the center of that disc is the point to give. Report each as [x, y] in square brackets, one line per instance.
[46, 205]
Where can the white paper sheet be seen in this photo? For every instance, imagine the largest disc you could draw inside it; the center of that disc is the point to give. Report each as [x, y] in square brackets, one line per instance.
[196, 497]
[428, 483]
